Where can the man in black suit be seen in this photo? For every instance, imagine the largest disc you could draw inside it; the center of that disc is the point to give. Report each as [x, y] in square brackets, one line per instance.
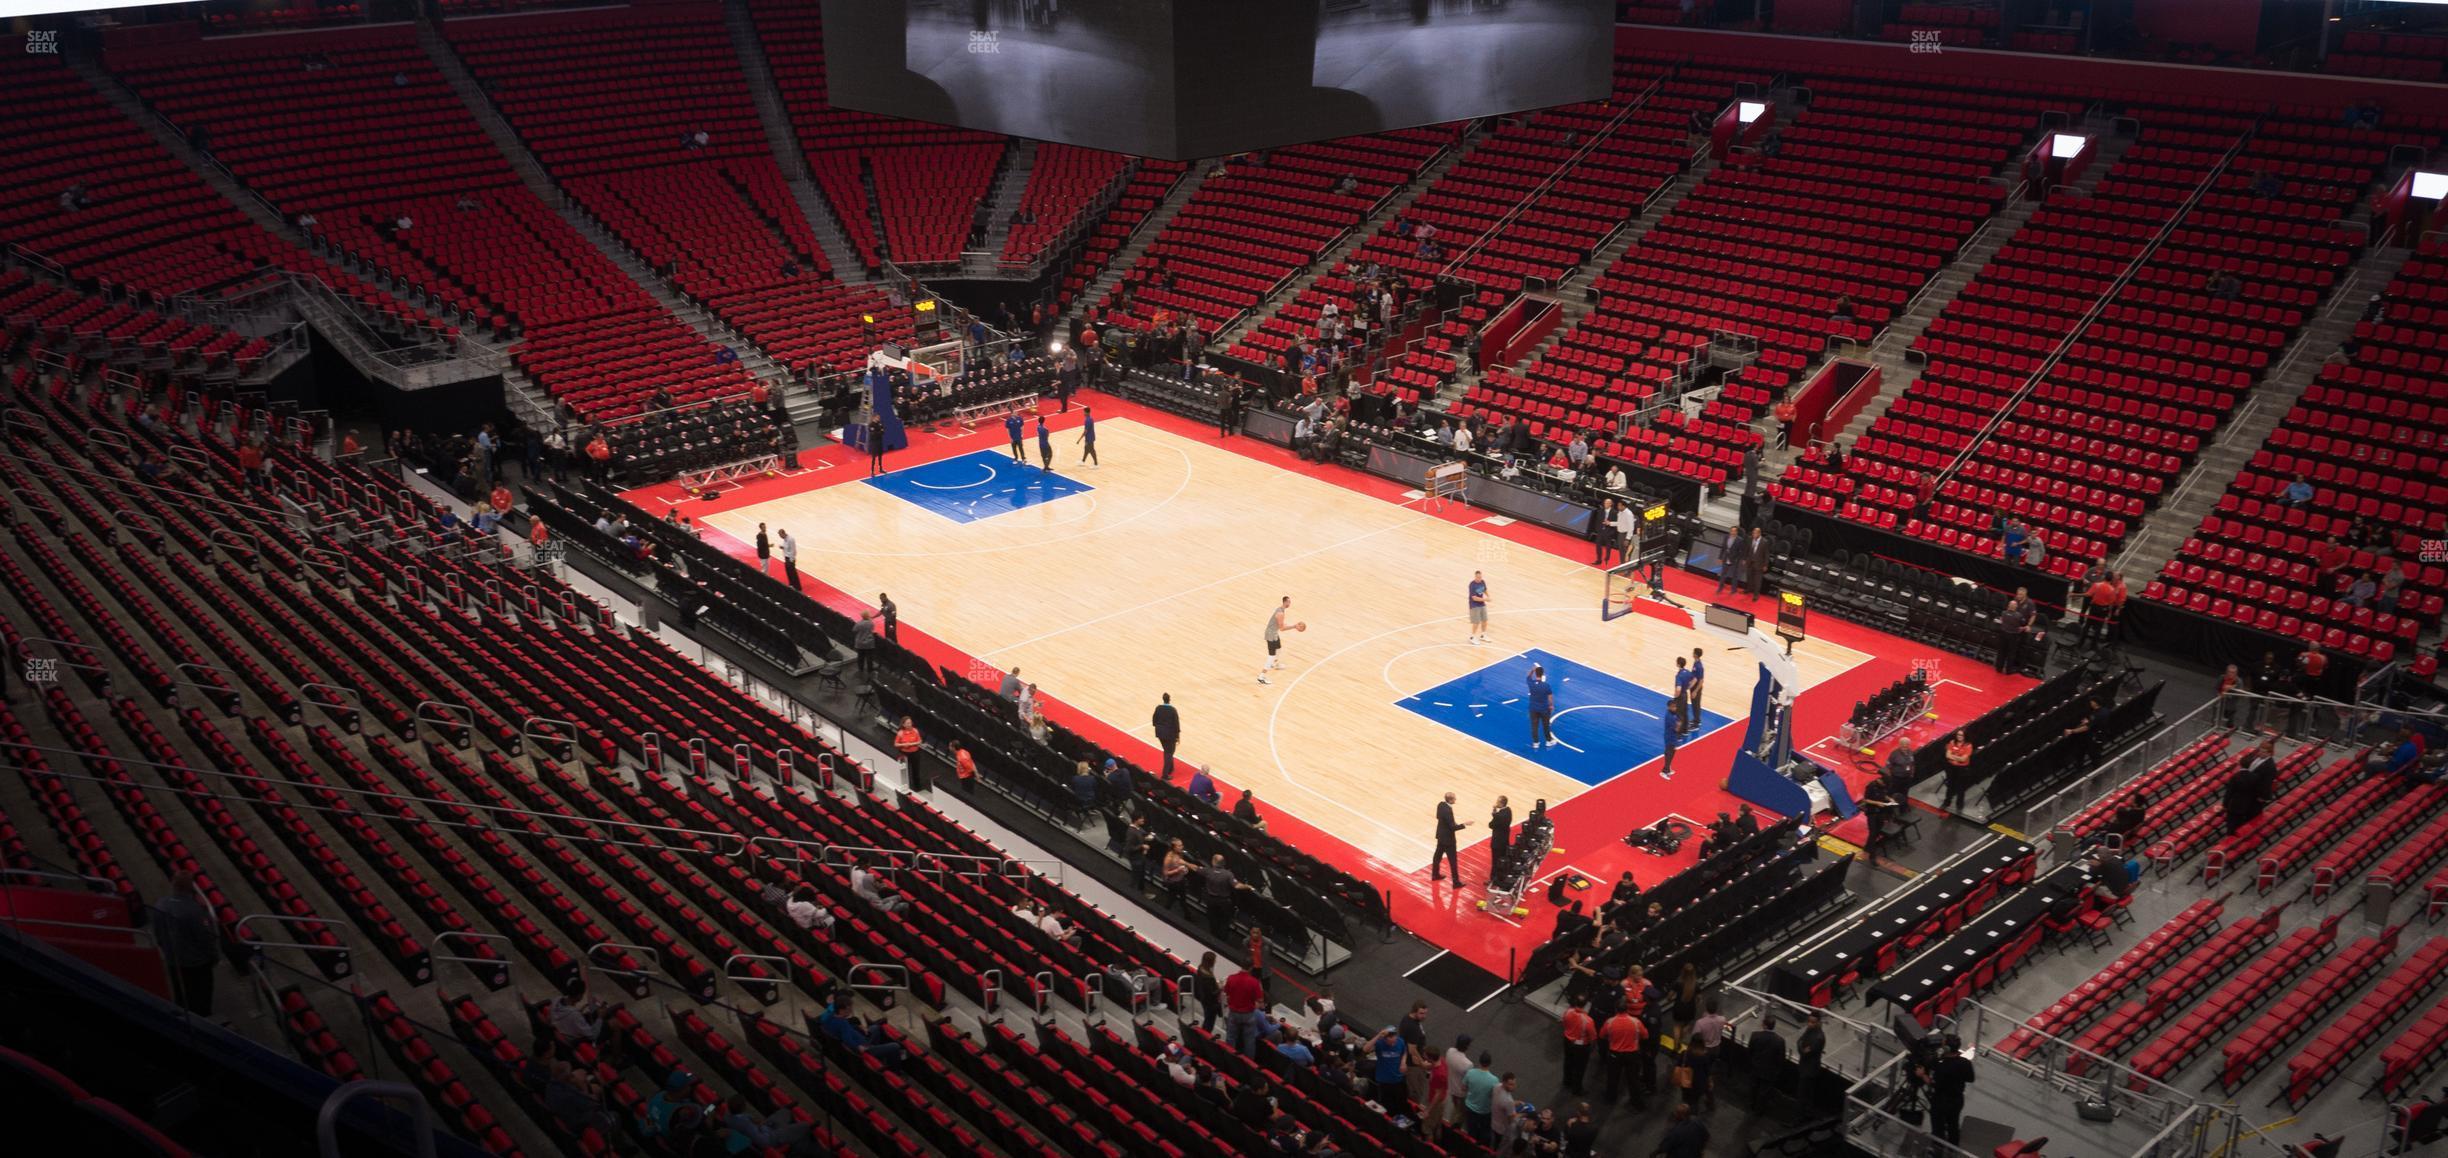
[1500, 838]
[1947, 1080]
[1767, 1050]
[1446, 849]
[764, 548]
[1730, 561]
[2248, 792]
[1168, 732]
[1808, 1049]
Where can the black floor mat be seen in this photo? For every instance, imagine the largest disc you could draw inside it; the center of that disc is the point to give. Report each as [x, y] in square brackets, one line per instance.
[1457, 980]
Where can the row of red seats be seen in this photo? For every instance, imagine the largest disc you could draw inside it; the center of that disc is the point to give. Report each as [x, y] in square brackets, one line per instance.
[2344, 1040]
[2254, 983]
[1063, 180]
[612, 110]
[927, 179]
[1265, 217]
[2367, 436]
[475, 237]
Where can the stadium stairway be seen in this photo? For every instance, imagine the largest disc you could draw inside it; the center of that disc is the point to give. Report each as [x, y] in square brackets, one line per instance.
[784, 144]
[1360, 235]
[2197, 494]
[1898, 373]
[752, 357]
[1580, 305]
[248, 202]
[1149, 229]
[1002, 200]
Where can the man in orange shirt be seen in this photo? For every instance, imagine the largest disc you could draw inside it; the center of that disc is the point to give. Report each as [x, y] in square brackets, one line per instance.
[907, 742]
[1580, 1033]
[2105, 597]
[964, 769]
[1624, 1034]
[1784, 412]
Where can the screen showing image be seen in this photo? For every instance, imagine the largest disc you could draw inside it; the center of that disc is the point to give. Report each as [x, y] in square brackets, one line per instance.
[1203, 78]
[1422, 62]
[1052, 70]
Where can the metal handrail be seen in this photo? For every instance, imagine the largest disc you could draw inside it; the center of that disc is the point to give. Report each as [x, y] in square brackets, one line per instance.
[327, 1118]
[2099, 307]
[247, 937]
[654, 958]
[1522, 206]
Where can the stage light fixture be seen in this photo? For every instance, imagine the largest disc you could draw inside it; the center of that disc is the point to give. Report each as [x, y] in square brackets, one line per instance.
[2429, 186]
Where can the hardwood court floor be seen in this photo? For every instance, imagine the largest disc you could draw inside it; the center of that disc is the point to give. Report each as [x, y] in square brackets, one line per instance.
[1161, 579]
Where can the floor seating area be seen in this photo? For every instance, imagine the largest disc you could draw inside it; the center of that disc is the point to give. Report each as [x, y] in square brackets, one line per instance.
[611, 109]
[893, 200]
[2248, 979]
[2082, 456]
[301, 800]
[391, 142]
[1265, 217]
[2369, 437]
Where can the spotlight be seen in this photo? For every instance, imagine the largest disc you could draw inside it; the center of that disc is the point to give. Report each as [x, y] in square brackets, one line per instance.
[1054, 347]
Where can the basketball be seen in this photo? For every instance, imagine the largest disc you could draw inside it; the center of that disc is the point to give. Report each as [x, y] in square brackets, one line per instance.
[1300, 627]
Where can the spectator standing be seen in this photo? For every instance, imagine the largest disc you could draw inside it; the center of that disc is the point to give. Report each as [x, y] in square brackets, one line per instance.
[1946, 1081]
[790, 556]
[1219, 887]
[889, 614]
[863, 643]
[1580, 1133]
[1958, 770]
[1244, 997]
[1580, 1036]
[1686, 1136]
[1500, 838]
[1413, 1029]
[1504, 1114]
[1479, 1099]
[1626, 1064]
[2015, 629]
[1208, 991]
[1387, 1051]
[190, 945]
[2248, 791]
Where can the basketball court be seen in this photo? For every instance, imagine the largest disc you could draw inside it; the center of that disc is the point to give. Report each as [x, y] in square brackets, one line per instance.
[1156, 571]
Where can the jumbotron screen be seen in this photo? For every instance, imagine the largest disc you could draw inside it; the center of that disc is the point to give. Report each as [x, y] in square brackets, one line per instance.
[1201, 78]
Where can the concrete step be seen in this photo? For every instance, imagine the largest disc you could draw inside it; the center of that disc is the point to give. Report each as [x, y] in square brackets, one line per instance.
[1145, 233]
[783, 141]
[1003, 198]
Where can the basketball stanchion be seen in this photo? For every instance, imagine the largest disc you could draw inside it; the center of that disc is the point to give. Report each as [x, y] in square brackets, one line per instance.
[1512, 993]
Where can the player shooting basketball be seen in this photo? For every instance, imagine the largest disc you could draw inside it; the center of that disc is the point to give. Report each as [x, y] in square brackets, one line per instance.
[1274, 636]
